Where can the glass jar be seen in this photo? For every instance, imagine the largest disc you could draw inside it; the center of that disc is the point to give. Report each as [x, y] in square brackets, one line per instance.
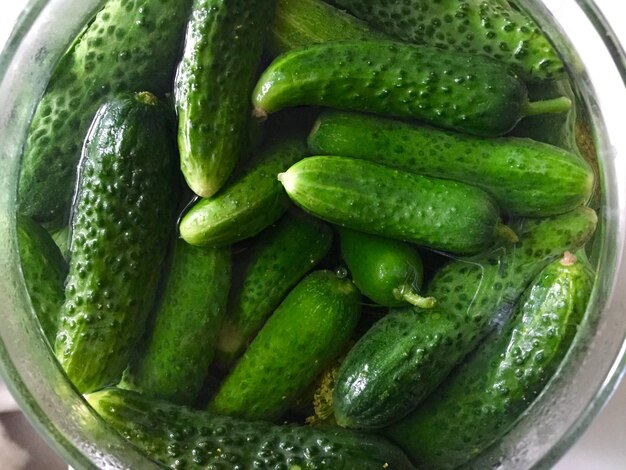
[585, 380]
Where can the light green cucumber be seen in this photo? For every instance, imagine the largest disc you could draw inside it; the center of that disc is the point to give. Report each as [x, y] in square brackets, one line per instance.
[62, 239]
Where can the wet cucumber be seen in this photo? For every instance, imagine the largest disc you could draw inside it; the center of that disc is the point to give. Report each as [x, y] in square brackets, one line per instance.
[525, 177]
[493, 28]
[178, 437]
[469, 93]
[277, 261]
[486, 394]
[174, 359]
[121, 223]
[407, 354]
[375, 199]
[251, 203]
[389, 272]
[131, 45]
[214, 80]
[306, 332]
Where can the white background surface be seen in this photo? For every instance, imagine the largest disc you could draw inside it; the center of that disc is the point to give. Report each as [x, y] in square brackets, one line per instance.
[603, 446]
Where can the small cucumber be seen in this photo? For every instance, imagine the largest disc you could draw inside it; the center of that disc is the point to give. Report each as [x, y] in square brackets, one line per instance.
[483, 398]
[174, 359]
[214, 80]
[277, 261]
[44, 271]
[407, 354]
[494, 28]
[179, 437]
[469, 93]
[305, 333]
[525, 177]
[389, 272]
[121, 223]
[251, 203]
[375, 199]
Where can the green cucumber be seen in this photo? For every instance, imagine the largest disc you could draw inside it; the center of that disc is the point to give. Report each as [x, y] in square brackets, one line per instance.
[375, 199]
[121, 223]
[469, 93]
[179, 437]
[44, 271]
[300, 23]
[306, 332]
[493, 28]
[251, 203]
[277, 261]
[214, 80]
[174, 360]
[525, 177]
[483, 398]
[389, 272]
[407, 354]
[129, 46]
[61, 238]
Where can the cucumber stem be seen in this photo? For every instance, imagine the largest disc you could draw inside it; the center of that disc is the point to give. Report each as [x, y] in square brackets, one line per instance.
[569, 259]
[505, 232]
[561, 104]
[407, 294]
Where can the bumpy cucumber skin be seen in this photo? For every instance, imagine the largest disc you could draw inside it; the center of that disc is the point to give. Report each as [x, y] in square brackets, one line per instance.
[378, 385]
[306, 332]
[379, 266]
[483, 398]
[526, 178]
[180, 437]
[375, 199]
[44, 270]
[174, 361]
[491, 28]
[213, 84]
[277, 261]
[300, 23]
[131, 45]
[253, 202]
[468, 93]
[121, 223]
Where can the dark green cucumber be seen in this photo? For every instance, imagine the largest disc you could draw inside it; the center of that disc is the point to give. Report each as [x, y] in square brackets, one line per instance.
[483, 398]
[407, 354]
[214, 80]
[129, 46]
[300, 23]
[253, 202]
[306, 332]
[375, 199]
[44, 271]
[174, 360]
[121, 223]
[277, 261]
[525, 177]
[468, 93]
[389, 272]
[178, 437]
[493, 28]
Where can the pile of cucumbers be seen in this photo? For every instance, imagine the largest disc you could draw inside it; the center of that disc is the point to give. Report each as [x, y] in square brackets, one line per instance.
[233, 211]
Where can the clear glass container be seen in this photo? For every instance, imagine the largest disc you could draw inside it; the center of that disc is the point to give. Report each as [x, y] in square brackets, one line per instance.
[586, 379]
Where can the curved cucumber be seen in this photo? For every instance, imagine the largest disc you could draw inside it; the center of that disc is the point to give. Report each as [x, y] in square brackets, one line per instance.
[253, 202]
[525, 177]
[375, 199]
[277, 261]
[174, 360]
[214, 80]
[389, 272]
[468, 93]
[175, 435]
[485, 396]
[307, 331]
[407, 354]
[493, 28]
[121, 223]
